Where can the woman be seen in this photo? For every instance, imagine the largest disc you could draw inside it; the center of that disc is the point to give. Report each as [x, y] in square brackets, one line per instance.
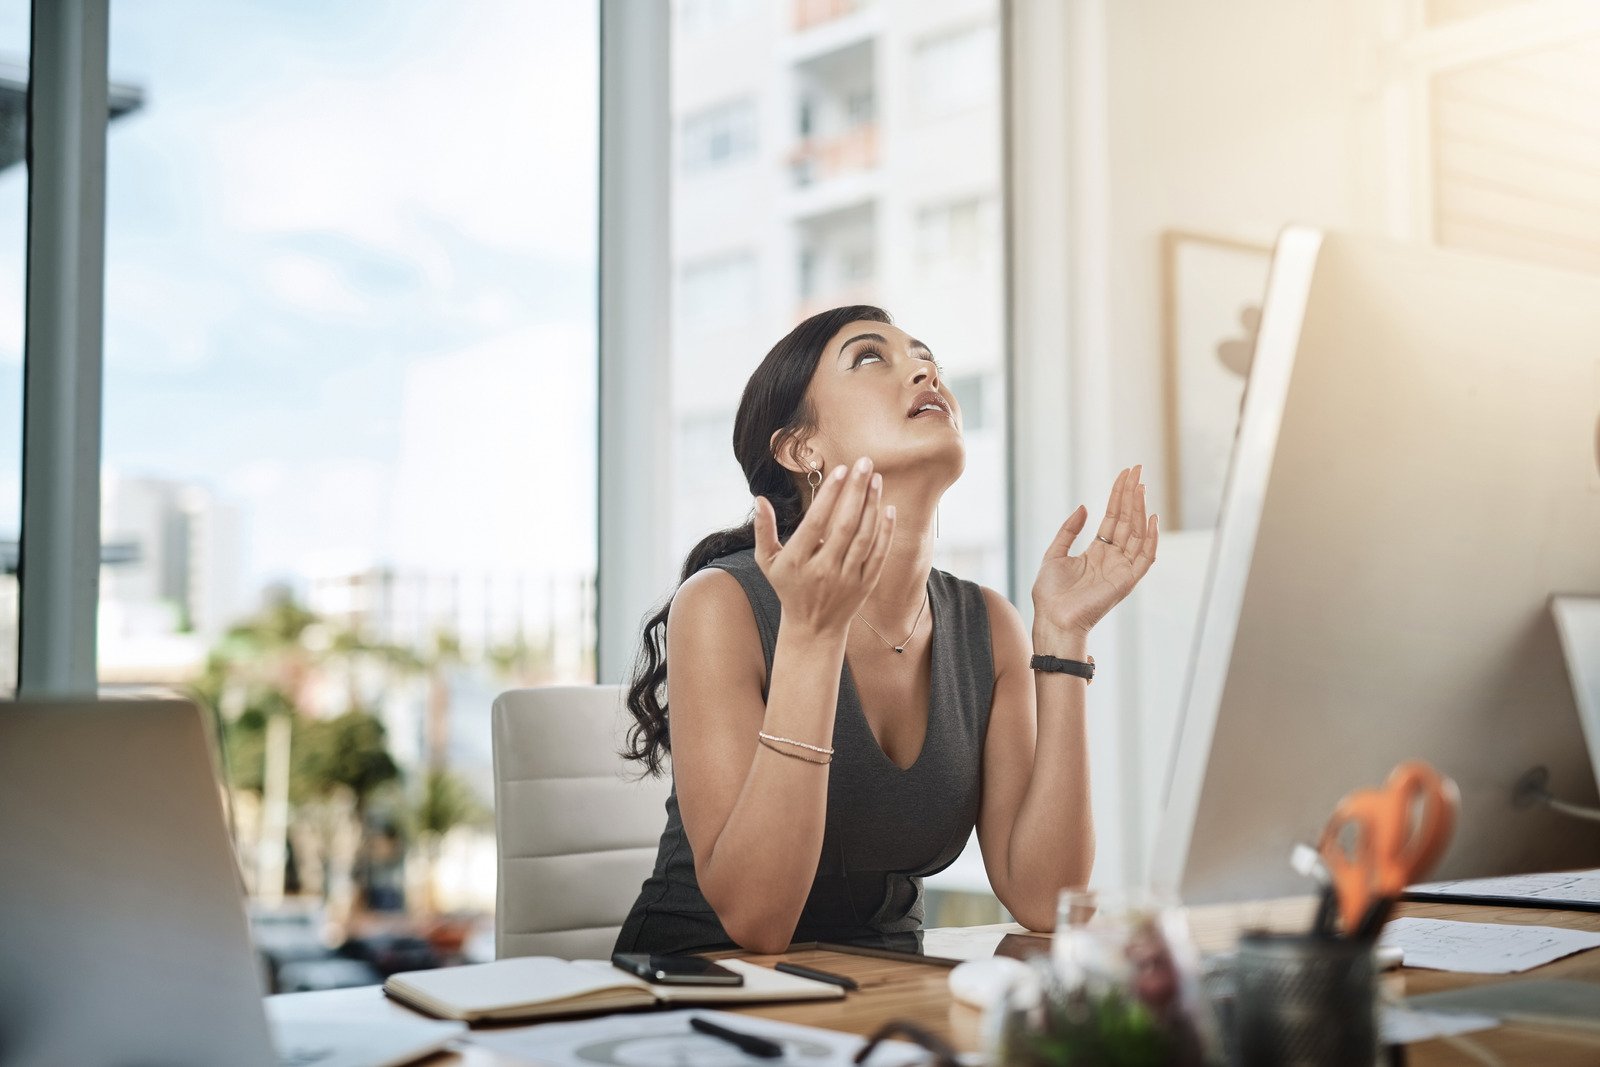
[842, 714]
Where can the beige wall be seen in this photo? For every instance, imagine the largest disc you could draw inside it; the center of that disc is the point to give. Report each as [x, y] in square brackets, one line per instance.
[1227, 118]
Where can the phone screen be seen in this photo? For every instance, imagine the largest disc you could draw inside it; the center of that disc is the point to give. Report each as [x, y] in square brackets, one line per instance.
[676, 970]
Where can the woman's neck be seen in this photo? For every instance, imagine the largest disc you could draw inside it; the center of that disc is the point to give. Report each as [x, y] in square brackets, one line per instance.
[897, 599]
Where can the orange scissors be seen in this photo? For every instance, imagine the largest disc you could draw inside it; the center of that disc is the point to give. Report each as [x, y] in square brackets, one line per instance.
[1381, 840]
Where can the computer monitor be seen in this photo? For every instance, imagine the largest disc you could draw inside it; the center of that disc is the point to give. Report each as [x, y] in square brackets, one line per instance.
[1415, 475]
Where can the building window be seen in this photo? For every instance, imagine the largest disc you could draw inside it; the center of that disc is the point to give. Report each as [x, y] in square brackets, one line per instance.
[957, 234]
[719, 135]
[705, 16]
[955, 72]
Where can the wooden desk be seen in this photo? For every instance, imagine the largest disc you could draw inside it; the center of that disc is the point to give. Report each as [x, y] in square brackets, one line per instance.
[891, 989]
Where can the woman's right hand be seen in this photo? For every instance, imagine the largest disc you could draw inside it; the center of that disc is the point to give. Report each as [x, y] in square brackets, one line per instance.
[832, 561]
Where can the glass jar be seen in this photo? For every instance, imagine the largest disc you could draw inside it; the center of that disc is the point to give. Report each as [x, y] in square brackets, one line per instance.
[1123, 988]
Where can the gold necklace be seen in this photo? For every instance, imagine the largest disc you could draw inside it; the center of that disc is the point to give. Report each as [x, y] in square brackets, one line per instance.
[901, 647]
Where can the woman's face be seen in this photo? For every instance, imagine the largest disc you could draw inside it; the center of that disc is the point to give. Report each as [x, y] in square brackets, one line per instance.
[877, 392]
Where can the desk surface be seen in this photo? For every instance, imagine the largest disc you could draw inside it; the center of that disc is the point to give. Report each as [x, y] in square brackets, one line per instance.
[896, 990]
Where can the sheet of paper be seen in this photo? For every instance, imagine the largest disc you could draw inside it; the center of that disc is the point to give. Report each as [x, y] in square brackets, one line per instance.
[1579, 887]
[664, 1039]
[1482, 948]
[1406, 1026]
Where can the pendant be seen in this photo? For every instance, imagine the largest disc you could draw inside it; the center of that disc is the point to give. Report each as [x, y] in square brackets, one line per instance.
[899, 648]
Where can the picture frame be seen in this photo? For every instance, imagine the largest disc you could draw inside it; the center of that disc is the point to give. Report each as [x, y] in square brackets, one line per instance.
[1212, 288]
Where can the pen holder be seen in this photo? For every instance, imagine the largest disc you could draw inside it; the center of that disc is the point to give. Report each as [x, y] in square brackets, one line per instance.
[1302, 1001]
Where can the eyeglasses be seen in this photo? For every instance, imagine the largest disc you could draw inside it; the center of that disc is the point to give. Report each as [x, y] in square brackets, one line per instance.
[943, 1054]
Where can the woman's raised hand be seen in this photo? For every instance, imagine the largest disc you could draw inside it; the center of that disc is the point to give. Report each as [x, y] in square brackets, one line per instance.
[1072, 593]
[832, 561]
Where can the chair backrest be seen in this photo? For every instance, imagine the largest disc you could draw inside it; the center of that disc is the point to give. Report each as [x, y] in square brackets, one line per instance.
[576, 834]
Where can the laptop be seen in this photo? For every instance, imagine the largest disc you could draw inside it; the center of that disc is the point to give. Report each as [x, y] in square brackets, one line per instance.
[123, 937]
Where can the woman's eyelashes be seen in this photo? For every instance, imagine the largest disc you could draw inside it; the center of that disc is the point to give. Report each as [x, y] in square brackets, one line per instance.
[863, 354]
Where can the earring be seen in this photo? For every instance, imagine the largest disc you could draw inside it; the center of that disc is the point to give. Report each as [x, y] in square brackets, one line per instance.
[814, 480]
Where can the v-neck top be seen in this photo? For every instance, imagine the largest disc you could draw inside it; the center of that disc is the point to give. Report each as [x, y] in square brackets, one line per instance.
[887, 827]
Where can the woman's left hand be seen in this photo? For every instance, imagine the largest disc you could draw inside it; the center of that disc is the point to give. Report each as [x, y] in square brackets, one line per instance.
[1072, 593]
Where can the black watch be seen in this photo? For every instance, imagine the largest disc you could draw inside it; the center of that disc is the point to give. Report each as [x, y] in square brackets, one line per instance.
[1064, 666]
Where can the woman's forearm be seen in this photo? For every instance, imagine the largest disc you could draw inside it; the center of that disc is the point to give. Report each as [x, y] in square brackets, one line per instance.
[760, 868]
[1052, 840]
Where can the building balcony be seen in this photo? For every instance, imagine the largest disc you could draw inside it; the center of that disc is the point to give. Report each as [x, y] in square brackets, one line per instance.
[819, 159]
[809, 13]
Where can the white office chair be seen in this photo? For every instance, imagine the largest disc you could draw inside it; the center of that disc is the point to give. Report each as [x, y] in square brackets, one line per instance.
[576, 834]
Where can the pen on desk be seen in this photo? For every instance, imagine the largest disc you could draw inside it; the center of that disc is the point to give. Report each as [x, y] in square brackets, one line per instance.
[1372, 922]
[1327, 907]
[749, 1043]
[817, 976]
[1308, 861]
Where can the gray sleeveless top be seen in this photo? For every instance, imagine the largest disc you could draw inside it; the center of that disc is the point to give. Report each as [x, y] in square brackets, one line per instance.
[887, 828]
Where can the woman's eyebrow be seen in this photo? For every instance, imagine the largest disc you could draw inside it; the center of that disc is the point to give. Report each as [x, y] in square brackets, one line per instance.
[882, 340]
[878, 337]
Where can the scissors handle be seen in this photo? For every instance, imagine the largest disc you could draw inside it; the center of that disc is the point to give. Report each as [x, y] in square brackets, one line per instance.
[1349, 850]
[1381, 840]
[1416, 785]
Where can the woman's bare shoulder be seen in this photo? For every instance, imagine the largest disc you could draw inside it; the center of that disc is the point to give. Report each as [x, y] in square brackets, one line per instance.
[710, 590]
[711, 624]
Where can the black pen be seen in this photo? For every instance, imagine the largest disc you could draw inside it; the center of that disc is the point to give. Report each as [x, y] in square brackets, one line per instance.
[817, 976]
[755, 1046]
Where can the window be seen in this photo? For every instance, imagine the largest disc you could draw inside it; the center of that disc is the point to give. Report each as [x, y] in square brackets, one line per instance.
[350, 376]
[837, 256]
[956, 71]
[718, 136]
[1516, 154]
[957, 235]
[14, 44]
[704, 16]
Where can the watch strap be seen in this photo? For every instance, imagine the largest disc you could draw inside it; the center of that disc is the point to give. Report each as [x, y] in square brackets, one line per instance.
[1055, 665]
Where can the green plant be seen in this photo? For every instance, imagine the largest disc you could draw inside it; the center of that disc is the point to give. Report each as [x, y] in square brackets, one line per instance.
[1082, 1030]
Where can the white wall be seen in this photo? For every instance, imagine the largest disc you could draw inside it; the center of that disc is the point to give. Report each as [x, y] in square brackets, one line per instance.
[1228, 118]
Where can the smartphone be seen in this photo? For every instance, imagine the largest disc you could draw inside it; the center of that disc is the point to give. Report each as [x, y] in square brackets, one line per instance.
[676, 970]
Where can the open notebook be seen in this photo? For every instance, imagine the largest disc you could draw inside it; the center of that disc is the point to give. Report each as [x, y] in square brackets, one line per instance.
[531, 987]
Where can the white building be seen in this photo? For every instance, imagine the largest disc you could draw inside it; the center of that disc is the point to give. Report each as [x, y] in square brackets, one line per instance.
[170, 577]
[830, 152]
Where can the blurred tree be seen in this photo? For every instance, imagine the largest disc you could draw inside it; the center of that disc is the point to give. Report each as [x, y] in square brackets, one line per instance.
[349, 752]
[444, 657]
[443, 802]
[520, 662]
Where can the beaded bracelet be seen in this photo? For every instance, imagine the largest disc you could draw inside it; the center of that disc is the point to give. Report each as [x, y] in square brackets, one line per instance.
[791, 741]
[795, 755]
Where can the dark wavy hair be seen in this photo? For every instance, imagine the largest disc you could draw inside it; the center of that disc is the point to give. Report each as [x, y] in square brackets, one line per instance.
[774, 401]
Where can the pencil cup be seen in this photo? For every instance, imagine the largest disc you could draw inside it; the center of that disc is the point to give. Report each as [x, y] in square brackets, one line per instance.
[1304, 1001]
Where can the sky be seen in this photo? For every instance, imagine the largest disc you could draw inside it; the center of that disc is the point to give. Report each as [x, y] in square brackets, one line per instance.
[320, 207]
